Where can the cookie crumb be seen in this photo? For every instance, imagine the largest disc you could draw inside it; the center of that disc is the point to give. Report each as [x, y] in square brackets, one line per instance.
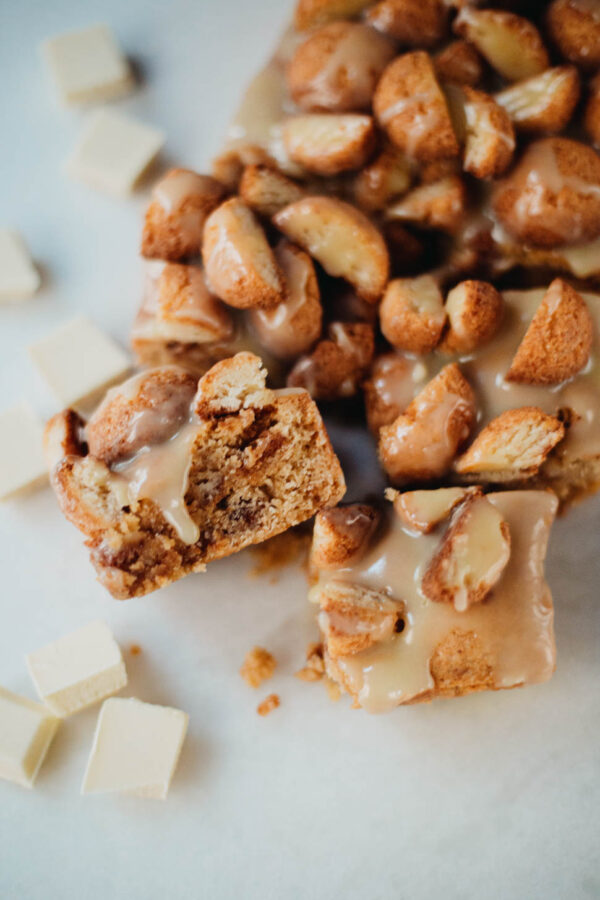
[258, 665]
[135, 649]
[268, 705]
[315, 664]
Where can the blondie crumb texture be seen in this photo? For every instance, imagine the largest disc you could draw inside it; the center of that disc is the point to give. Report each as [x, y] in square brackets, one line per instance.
[268, 705]
[258, 666]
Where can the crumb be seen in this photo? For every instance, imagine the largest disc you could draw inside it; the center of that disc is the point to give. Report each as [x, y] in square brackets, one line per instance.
[315, 664]
[135, 649]
[333, 689]
[282, 550]
[268, 705]
[258, 665]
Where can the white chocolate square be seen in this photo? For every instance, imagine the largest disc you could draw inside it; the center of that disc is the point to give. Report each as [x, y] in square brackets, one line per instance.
[87, 65]
[113, 152]
[78, 670]
[78, 361]
[22, 464]
[26, 732]
[19, 278]
[136, 748]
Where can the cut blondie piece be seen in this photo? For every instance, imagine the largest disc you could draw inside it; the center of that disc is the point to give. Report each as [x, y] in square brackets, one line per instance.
[174, 474]
[457, 605]
[534, 382]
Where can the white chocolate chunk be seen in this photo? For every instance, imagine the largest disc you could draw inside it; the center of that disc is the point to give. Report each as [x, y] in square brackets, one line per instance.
[26, 732]
[22, 464]
[19, 278]
[78, 361]
[113, 152]
[78, 670]
[87, 65]
[136, 748]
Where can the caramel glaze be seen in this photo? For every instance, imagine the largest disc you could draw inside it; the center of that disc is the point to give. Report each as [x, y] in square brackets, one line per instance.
[513, 625]
[486, 368]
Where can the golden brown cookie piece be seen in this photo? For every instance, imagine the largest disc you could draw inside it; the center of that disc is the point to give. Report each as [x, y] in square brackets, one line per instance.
[410, 106]
[459, 63]
[148, 409]
[239, 263]
[266, 190]
[337, 67]
[511, 447]
[574, 26]
[310, 13]
[422, 442]
[327, 143]
[543, 104]
[181, 202]
[440, 204]
[558, 342]
[387, 176]
[413, 23]
[552, 196]
[489, 135]
[341, 534]
[475, 310]
[342, 239]
[510, 43]
[412, 314]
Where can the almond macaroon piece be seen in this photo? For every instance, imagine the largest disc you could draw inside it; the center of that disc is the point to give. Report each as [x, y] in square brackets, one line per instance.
[336, 68]
[181, 202]
[266, 190]
[552, 196]
[310, 13]
[543, 104]
[574, 26]
[342, 239]
[471, 557]
[152, 407]
[413, 23]
[341, 533]
[474, 310]
[440, 205]
[238, 465]
[512, 446]
[354, 618]
[459, 63]
[412, 314]
[423, 441]
[338, 364]
[328, 144]
[424, 510]
[557, 344]
[294, 325]
[410, 106]
[511, 44]
[489, 135]
[239, 263]
[385, 177]
[179, 321]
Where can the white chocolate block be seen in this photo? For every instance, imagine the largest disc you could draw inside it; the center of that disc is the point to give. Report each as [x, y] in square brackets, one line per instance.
[78, 670]
[87, 65]
[26, 732]
[136, 748]
[22, 464]
[78, 361]
[19, 278]
[113, 152]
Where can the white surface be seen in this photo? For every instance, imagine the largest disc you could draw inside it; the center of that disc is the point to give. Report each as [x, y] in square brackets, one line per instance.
[493, 796]
[78, 669]
[136, 748]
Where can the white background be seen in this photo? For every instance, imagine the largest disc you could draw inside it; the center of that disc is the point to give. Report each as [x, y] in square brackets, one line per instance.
[492, 796]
